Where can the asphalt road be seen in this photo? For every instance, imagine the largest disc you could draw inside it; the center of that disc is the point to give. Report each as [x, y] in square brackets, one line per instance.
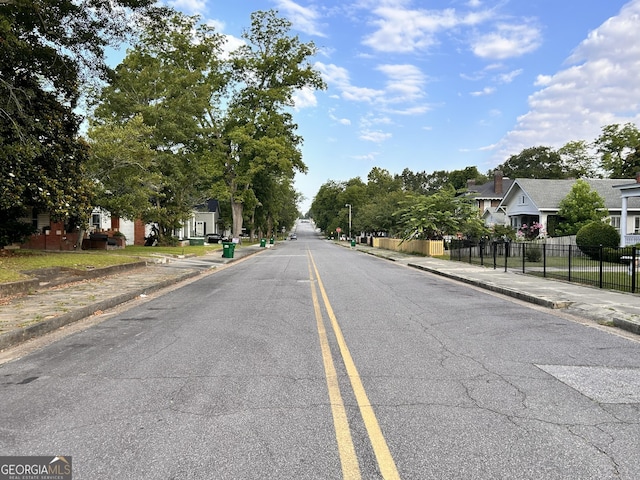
[310, 361]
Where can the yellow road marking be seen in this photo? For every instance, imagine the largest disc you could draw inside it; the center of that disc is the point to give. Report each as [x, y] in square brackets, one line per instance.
[346, 450]
[383, 455]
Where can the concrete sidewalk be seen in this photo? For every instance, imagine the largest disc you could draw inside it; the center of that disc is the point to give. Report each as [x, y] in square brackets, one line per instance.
[607, 307]
[49, 306]
[26, 316]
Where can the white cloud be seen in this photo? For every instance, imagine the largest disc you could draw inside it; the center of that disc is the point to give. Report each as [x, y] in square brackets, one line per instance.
[374, 136]
[369, 157]
[416, 110]
[341, 121]
[339, 78]
[507, 41]
[510, 76]
[304, 98]
[303, 18]
[543, 80]
[483, 92]
[403, 30]
[405, 83]
[599, 89]
[189, 6]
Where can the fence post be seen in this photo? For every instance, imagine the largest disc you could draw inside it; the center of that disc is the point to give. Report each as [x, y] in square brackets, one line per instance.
[495, 254]
[544, 260]
[506, 256]
[569, 262]
[601, 266]
[633, 271]
[482, 253]
[524, 254]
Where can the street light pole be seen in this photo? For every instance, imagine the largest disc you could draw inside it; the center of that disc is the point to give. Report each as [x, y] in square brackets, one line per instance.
[349, 205]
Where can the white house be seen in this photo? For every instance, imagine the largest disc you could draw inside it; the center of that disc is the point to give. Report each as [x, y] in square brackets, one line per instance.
[204, 219]
[629, 229]
[537, 200]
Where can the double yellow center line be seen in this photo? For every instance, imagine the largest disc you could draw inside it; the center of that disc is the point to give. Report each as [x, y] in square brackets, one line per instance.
[348, 458]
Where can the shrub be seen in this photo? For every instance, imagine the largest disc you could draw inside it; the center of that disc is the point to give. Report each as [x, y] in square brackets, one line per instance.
[612, 255]
[591, 236]
[533, 253]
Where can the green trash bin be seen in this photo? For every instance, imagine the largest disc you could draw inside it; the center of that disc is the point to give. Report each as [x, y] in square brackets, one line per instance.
[228, 249]
[272, 240]
[353, 242]
[263, 242]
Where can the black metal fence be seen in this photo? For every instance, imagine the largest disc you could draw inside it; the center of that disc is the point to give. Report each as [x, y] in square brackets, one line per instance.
[603, 267]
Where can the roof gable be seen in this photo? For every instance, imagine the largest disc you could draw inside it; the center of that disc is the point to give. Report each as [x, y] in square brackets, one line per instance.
[547, 194]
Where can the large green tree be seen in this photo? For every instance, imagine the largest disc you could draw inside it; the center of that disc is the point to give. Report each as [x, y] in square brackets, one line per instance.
[619, 149]
[440, 214]
[257, 134]
[50, 49]
[580, 207]
[327, 206]
[123, 162]
[534, 162]
[577, 159]
[171, 81]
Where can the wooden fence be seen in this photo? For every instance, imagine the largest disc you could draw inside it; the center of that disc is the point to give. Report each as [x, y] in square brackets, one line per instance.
[429, 248]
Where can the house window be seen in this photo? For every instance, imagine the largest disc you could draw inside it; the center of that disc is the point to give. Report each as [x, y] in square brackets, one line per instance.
[615, 222]
[636, 225]
[521, 200]
[95, 221]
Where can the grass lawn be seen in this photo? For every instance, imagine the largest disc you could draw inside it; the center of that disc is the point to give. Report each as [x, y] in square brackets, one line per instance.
[14, 262]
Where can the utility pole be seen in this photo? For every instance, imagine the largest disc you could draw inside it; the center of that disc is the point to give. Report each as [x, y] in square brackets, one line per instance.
[349, 205]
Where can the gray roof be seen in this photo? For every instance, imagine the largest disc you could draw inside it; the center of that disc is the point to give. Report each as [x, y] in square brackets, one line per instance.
[547, 194]
[486, 190]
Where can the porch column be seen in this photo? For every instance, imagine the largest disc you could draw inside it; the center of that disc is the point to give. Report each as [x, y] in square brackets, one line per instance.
[623, 223]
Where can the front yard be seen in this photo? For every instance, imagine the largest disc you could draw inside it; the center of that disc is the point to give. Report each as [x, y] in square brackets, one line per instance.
[14, 262]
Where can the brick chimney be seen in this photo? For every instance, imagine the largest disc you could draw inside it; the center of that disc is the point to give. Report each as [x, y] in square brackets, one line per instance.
[471, 182]
[497, 182]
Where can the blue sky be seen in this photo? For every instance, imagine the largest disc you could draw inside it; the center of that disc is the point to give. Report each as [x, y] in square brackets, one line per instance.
[446, 84]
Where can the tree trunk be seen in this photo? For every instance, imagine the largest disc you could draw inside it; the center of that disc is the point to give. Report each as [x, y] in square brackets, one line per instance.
[236, 214]
[252, 232]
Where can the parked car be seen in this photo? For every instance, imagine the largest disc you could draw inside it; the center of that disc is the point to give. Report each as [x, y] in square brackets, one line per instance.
[293, 236]
[214, 238]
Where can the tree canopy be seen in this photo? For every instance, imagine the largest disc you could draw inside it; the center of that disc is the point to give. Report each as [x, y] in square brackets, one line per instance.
[619, 149]
[580, 207]
[162, 106]
[50, 50]
[534, 162]
[257, 136]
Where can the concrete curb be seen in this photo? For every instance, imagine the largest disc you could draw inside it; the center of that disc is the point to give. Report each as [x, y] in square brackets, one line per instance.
[15, 337]
[72, 275]
[623, 324]
[498, 289]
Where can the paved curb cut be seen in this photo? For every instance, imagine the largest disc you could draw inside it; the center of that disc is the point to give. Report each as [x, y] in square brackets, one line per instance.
[15, 337]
